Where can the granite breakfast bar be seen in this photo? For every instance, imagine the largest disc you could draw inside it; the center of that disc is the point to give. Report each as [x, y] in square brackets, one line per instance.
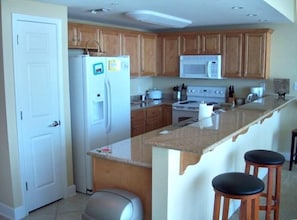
[178, 162]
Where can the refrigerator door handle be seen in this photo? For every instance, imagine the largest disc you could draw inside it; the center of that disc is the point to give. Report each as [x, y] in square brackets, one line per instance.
[108, 101]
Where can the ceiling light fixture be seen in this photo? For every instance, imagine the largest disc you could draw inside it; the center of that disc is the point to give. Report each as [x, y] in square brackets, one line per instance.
[237, 7]
[99, 10]
[153, 17]
[251, 15]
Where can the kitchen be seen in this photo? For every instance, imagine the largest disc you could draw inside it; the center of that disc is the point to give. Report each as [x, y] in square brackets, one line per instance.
[283, 65]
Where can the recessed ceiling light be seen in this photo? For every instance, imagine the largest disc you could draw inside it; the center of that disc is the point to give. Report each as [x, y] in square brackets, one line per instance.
[237, 7]
[100, 10]
[251, 15]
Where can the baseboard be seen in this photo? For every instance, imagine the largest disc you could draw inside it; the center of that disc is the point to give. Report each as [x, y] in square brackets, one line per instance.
[13, 213]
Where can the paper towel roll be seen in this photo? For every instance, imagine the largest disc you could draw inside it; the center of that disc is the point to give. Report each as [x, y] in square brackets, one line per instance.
[205, 111]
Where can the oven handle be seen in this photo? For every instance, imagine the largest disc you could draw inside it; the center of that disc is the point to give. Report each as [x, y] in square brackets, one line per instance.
[185, 109]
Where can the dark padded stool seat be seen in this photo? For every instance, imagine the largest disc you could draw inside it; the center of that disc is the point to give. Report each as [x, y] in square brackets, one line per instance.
[264, 157]
[293, 156]
[237, 184]
[273, 161]
[244, 187]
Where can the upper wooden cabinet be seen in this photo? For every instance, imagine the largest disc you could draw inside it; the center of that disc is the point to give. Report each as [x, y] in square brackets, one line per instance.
[196, 43]
[111, 42]
[232, 47]
[148, 54]
[190, 43]
[257, 54]
[170, 55]
[211, 43]
[131, 47]
[246, 54]
[80, 34]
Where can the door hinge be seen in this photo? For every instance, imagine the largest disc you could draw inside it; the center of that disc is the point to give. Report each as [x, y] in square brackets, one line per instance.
[21, 115]
[26, 186]
[17, 39]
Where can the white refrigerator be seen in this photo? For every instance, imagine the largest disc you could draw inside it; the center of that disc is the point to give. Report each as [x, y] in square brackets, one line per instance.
[100, 109]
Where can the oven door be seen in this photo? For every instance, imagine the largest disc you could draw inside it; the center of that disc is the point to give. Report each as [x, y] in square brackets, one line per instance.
[179, 115]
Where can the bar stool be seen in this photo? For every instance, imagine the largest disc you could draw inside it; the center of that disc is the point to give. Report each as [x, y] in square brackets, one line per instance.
[240, 186]
[273, 161]
[293, 148]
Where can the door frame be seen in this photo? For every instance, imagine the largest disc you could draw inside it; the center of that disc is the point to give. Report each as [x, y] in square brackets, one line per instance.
[23, 17]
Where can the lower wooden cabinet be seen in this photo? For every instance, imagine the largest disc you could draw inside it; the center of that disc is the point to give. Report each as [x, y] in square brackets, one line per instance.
[167, 115]
[138, 118]
[151, 118]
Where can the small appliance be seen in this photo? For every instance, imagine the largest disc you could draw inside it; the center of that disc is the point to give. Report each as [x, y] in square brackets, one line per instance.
[200, 66]
[154, 94]
[255, 93]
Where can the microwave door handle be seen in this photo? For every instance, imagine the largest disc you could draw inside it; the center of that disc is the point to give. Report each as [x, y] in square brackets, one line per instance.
[209, 69]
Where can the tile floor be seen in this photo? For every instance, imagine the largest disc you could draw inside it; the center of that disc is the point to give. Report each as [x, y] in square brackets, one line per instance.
[71, 208]
[65, 209]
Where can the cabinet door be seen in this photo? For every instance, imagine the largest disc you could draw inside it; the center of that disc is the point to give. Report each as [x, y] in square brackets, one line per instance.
[131, 47]
[211, 43]
[190, 44]
[148, 54]
[138, 118]
[232, 55]
[153, 118]
[111, 42]
[87, 34]
[171, 52]
[167, 114]
[72, 35]
[255, 56]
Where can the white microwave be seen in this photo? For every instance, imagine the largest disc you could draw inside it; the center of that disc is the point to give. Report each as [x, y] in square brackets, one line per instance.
[200, 66]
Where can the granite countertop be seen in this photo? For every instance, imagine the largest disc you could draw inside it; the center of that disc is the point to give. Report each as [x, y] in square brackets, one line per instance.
[198, 137]
[150, 103]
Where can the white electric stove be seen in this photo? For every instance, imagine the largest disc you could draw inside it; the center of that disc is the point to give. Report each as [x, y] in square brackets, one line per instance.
[189, 108]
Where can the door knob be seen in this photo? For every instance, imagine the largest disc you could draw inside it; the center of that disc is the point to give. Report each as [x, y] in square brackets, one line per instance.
[54, 124]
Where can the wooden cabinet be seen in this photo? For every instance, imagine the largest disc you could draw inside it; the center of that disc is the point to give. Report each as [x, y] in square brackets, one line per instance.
[211, 43]
[190, 43]
[80, 34]
[111, 42]
[200, 43]
[170, 55]
[246, 54]
[232, 54]
[167, 114]
[256, 54]
[153, 118]
[138, 122]
[148, 54]
[131, 47]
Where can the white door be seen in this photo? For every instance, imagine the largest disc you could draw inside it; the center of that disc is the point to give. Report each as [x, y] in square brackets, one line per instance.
[38, 108]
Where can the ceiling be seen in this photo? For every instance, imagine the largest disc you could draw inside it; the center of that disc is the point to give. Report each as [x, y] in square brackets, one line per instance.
[200, 12]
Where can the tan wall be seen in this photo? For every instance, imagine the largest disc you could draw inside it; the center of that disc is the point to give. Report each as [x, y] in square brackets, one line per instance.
[10, 188]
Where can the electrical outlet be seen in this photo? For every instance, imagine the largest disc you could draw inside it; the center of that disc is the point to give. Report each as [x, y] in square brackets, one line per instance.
[295, 85]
